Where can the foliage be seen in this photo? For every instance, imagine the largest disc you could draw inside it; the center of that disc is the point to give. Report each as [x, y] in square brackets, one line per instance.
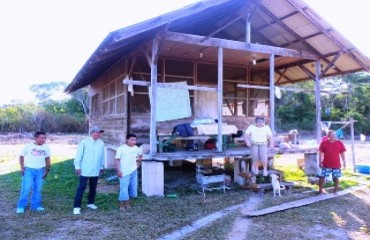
[352, 102]
[342, 98]
[296, 110]
[50, 115]
[82, 96]
[47, 91]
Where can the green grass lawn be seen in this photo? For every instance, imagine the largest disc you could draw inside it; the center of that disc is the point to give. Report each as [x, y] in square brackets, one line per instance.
[149, 217]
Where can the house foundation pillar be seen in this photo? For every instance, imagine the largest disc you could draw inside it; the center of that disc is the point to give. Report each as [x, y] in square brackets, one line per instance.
[152, 178]
[239, 166]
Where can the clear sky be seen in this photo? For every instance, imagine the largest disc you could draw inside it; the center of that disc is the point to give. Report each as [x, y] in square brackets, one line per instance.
[49, 40]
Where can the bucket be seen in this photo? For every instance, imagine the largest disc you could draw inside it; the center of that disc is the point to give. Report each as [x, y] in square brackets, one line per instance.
[363, 169]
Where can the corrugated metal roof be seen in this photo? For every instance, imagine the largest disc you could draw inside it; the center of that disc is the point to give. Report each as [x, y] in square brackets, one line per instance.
[279, 23]
[301, 25]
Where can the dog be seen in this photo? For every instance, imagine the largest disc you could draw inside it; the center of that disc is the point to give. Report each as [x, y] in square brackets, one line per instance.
[276, 184]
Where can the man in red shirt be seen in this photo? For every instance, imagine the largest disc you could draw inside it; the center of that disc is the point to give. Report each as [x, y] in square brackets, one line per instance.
[330, 152]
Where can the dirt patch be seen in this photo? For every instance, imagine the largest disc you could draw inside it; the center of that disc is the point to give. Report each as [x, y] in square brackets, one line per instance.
[52, 138]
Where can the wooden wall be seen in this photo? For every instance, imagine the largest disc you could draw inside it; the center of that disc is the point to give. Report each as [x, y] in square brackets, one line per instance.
[114, 124]
[117, 125]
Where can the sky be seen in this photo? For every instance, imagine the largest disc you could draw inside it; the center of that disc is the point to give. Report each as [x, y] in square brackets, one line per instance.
[45, 41]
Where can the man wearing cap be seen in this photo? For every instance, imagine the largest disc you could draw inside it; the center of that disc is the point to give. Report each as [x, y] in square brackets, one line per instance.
[258, 136]
[89, 163]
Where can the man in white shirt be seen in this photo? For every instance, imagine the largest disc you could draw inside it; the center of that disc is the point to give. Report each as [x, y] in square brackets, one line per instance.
[35, 165]
[258, 136]
[128, 159]
[89, 163]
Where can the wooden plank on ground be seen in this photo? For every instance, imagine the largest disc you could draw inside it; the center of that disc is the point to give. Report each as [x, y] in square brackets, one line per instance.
[302, 202]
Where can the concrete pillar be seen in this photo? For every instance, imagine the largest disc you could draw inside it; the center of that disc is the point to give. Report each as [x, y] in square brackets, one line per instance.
[311, 164]
[110, 158]
[237, 169]
[152, 174]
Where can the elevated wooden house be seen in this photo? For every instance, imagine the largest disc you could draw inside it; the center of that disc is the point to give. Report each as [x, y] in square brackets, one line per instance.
[223, 58]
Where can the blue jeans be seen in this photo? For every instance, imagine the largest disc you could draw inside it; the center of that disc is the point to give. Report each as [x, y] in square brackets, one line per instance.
[31, 180]
[93, 183]
[128, 186]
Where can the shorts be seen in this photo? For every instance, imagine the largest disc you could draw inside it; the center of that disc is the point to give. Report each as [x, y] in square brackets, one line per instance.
[335, 172]
[259, 153]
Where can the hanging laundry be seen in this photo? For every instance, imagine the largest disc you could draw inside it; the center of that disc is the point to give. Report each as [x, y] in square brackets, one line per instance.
[362, 137]
[130, 87]
[173, 103]
[277, 92]
[339, 133]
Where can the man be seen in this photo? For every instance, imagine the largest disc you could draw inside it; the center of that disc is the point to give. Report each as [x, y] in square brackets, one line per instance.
[35, 166]
[257, 136]
[330, 152]
[128, 159]
[89, 164]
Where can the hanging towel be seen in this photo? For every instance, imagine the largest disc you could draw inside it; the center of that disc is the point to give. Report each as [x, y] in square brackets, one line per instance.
[130, 87]
[362, 137]
[172, 103]
[277, 92]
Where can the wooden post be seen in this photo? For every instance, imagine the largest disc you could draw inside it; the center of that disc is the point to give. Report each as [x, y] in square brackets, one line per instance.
[219, 98]
[248, 29]
[153, 98]
[318, 102]
[272, 93]
[353, 144]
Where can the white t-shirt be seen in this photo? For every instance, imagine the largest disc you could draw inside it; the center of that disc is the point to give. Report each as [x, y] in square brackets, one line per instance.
[34, 155]
[128, 156]
[258, 134]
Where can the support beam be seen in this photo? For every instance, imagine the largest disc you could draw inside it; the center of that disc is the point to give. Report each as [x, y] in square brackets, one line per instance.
[248, 29]
[221, 28]
[153, 98]
[309, 74]
[297, 90]
[331, 64]
[240, 46]
[281, 75]
[272, 93]
[353, 144]
[166, 85]
[220, 87]
[318, 102]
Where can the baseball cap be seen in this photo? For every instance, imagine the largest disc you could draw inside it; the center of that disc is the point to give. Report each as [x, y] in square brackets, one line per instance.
[96, 129]
[259, 119]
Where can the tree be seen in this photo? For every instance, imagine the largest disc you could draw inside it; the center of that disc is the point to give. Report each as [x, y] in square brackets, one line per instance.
[297, 110]
[82, 96]
[49, 91]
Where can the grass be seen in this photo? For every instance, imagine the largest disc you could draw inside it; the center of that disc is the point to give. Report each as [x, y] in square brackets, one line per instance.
[294, 174]
[152, 217]
[149, 218]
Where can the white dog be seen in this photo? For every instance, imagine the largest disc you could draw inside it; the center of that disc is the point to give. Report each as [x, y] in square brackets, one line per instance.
[276, 184]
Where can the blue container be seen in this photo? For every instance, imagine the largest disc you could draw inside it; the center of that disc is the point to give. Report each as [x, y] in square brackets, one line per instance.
[363, 169]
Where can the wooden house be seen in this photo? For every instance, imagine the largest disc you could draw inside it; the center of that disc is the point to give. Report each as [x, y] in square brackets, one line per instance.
[226, 56]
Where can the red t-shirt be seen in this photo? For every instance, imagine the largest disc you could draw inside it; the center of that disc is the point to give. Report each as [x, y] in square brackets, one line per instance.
[332, 151]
